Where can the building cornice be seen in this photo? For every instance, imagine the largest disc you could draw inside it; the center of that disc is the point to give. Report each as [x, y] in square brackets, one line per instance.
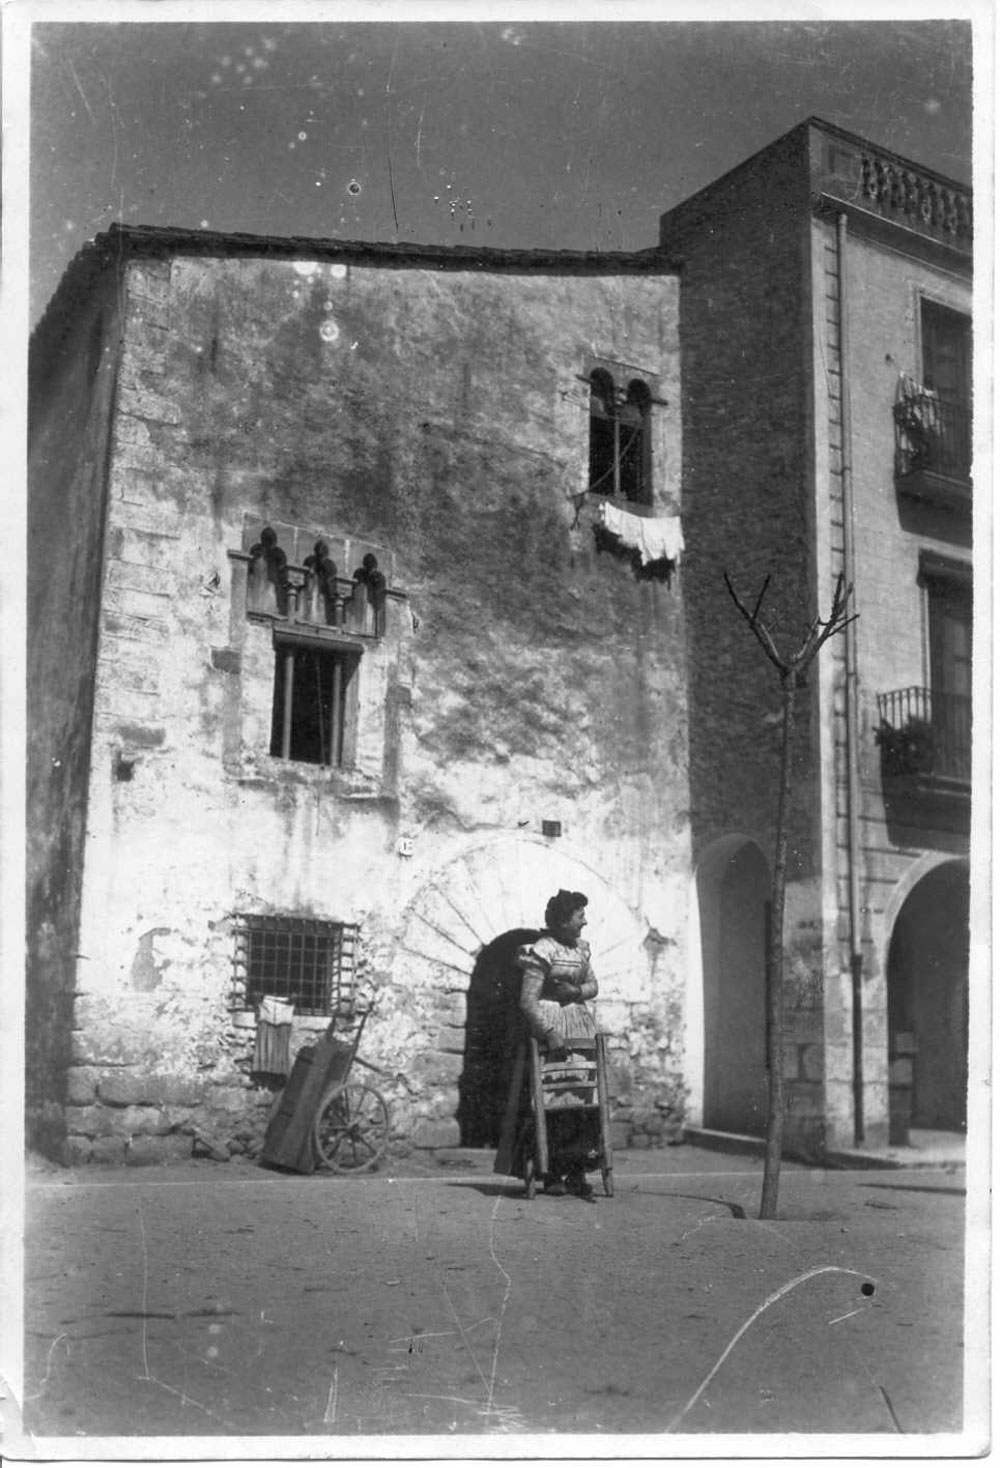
[128, 242]
[156, 240]
[823, 167]
[874, 181]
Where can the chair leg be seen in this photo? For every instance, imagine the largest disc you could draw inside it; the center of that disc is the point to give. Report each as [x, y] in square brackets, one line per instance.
[541, 1133]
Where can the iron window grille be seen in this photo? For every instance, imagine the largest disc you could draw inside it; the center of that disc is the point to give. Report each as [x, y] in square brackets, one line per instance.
[304, 961]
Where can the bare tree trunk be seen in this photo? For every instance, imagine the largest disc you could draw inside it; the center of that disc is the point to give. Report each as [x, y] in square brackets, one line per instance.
[775, 981]
[791, 667]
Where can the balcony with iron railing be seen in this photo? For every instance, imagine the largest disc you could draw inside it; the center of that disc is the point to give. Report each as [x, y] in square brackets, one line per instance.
[933, 445]
[925, 738]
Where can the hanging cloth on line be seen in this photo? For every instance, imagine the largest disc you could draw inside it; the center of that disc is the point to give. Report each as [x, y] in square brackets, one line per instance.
[659, 539]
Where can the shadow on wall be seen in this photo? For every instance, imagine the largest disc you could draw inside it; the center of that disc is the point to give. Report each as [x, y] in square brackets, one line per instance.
[733, 893]
[491, 1031]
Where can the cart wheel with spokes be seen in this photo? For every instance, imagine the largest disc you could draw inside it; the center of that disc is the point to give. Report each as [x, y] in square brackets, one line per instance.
[352, 1128]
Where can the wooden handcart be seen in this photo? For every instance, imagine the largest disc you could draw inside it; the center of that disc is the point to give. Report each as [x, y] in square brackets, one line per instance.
[323, 1118]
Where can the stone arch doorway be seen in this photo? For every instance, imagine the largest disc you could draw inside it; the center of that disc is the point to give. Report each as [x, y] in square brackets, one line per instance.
[734, 886]
[484, 894]
[927, 982]
[492, 1025]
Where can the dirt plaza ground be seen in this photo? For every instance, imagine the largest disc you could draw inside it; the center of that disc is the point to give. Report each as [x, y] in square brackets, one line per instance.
[229, 1301]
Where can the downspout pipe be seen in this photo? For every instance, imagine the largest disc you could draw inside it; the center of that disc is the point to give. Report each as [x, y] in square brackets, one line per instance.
[851, 696]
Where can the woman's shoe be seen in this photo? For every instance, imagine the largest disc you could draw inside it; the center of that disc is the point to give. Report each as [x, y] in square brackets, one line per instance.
[578, 1185]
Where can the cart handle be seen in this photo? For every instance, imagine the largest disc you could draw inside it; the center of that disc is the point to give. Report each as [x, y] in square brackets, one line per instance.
[357, 1033]
[378, 1069]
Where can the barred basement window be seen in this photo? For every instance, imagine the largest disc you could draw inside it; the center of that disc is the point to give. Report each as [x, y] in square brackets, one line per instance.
[304, 961]
[313, 695]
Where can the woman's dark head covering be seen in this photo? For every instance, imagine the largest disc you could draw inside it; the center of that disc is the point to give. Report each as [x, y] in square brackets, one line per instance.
[562, 906]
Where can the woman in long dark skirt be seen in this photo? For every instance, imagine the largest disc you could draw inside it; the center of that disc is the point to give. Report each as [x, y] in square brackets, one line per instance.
[557, 980]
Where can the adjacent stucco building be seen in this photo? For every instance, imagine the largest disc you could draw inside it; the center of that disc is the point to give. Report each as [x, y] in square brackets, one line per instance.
[337, 675]
[826, 346]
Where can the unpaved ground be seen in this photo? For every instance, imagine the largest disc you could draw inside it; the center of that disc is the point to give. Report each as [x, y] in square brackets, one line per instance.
[226, 1301]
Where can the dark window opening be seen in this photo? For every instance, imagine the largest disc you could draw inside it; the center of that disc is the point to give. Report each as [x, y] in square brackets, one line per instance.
[949, 607]
[946, 342]
[620, 438]
[927, 731]
[311, 689]
[303, 961]
[603, 437]
[947, 350]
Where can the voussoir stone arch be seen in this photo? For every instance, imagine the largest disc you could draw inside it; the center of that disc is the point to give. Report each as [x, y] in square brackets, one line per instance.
[489, 888]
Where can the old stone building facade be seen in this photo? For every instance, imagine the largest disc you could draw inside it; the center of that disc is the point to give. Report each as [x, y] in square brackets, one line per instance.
[338, 676]
[377, 592]
[825, 339]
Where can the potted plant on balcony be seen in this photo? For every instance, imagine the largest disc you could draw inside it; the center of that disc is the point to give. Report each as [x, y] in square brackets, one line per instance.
[917, 414]
[908, 750]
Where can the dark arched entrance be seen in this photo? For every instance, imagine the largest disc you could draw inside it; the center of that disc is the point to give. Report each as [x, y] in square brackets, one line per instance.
[733, 894]
[928, 995]
[491, 1031]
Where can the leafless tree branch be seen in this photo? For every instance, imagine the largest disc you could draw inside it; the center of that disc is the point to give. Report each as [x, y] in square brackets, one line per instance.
[761, 633]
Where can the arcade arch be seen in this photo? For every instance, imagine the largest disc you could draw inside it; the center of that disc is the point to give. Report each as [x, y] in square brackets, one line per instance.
[732, 884]
[927, 983]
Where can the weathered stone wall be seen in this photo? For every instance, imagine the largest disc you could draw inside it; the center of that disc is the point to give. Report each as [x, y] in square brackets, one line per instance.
[440, 418]
[67, 473]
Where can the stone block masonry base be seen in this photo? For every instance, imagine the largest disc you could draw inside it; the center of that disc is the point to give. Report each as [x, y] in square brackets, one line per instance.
[117, 1120]
[119, 1116]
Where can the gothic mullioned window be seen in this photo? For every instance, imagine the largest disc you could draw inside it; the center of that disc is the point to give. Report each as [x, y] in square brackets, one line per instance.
[323, 617]
[621, 435]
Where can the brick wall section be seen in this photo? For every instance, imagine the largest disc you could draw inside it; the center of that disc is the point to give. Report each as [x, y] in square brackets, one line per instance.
[747, 419]
[743, 247]
[762, 359]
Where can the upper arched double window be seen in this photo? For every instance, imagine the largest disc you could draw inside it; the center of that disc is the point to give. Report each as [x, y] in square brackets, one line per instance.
[621, 456]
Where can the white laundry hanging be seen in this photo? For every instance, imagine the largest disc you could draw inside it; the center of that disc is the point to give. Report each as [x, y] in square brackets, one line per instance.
[656, 539]
[273, 1040]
